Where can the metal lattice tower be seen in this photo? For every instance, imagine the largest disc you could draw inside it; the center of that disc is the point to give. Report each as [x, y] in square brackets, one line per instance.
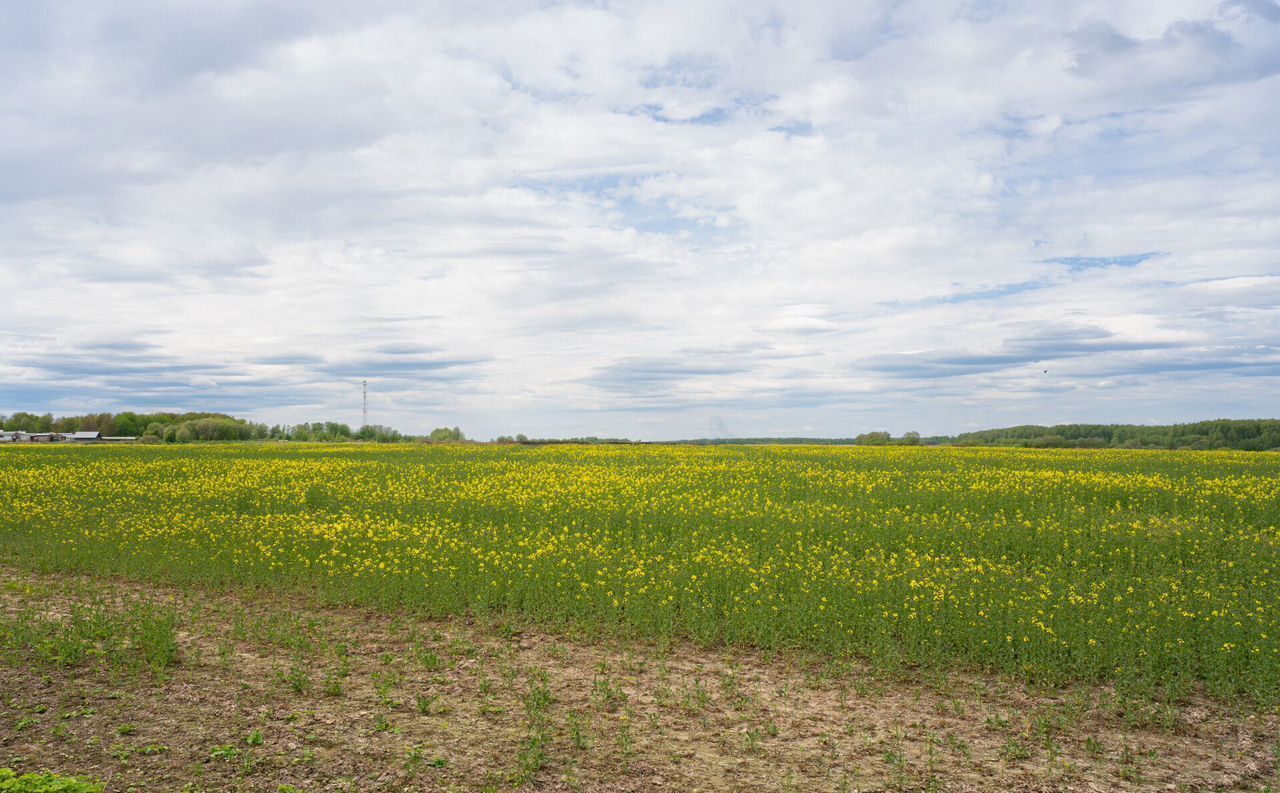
[364, 394]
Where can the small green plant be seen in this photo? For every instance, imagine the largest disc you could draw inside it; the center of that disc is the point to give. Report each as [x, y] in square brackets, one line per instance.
[933, 782]
[609, 692]
[331, 686]
[126, 729]
[426, 703]
[153, 632]
[696, 697]
[254, 738]
[430, 660]
[25, 723]
[226, 652]
[538, 696]
[896, 759]
[297, 678]
[577, 730]
[1014, 750]
[626, 743]
[224, 753]
[11, 782]
[728, 686]
[1128, 768]
[1093, 746]
[1047, 725]
[384, 683]
[413, 760]
[532, 756]
[958, 746]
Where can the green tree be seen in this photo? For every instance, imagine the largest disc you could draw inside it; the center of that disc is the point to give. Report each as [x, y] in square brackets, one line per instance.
[25, 422]
[128, 423]
[66, 424]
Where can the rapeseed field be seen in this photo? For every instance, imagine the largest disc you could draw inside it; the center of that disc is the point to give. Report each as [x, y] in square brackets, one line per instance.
[1146, 569]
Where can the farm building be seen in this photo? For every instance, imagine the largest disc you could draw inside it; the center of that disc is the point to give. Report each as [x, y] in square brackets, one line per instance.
[34, 437]
[93, 436]
[83, 436]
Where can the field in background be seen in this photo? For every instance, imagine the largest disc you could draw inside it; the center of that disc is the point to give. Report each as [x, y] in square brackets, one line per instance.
[1151, 570]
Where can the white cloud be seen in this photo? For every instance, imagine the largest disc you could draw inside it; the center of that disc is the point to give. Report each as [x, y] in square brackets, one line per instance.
[644, 220]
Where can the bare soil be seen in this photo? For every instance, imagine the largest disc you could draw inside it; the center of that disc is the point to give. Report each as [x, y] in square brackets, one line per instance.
[272, 690]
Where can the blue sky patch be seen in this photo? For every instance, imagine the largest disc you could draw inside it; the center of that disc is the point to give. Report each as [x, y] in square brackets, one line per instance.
[1079, 263]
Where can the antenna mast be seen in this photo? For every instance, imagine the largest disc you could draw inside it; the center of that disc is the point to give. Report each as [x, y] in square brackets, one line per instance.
[364, 393]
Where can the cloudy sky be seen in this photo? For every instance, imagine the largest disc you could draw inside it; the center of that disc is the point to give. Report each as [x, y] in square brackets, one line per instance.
[654, 220]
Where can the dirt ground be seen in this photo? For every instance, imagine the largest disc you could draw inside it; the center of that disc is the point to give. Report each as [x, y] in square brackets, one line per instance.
[270, 691]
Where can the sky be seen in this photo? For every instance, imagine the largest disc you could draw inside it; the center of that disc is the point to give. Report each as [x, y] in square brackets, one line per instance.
[648, 220]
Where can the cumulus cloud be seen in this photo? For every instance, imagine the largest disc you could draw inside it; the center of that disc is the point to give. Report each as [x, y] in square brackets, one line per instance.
[645, 219]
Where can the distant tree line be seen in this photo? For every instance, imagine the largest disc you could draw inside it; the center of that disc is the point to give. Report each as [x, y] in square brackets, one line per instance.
[188, 427]
[130, 423]
[1243, 434]
[588, 439]
[440, 434]
[865, 439]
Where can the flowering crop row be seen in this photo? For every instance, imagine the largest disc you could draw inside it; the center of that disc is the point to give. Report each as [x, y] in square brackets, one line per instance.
[1136, 567]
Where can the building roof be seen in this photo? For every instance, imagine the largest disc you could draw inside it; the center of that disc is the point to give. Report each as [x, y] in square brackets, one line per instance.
[83, 435]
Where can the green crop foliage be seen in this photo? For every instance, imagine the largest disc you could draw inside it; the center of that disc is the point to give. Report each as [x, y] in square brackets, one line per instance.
[1152, 570]
[10, 782]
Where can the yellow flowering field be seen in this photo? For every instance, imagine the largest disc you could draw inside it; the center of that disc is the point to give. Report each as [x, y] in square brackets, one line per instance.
[1143, 568]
